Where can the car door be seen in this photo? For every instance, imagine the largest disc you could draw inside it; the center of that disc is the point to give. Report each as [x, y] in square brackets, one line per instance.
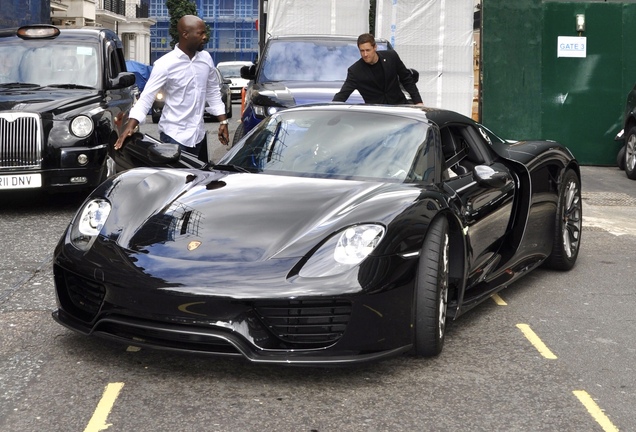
[141, 150]
[485, 207]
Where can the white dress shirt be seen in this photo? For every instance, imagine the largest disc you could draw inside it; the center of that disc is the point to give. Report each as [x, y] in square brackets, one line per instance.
[187, 85]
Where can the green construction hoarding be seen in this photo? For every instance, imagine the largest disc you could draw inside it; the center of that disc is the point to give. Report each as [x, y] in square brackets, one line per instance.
[558, 70]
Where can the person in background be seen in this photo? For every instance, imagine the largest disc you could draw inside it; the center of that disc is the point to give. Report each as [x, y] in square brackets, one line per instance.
[185, 74]
[377, 76]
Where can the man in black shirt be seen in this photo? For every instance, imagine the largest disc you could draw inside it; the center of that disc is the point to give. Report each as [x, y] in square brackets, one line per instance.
[377, 76]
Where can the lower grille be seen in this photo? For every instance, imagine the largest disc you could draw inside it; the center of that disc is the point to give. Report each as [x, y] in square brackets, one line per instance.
[310, 323]
[20, 141]
[86, 296]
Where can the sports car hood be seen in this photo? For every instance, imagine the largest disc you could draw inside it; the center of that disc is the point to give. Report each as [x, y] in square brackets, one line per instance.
[45, 99]
[221, 217]
[291, 93]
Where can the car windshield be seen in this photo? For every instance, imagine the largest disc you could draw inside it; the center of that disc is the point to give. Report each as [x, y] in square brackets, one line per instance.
[48, 64]
[338, 144]
[315, 60]
[230, 71]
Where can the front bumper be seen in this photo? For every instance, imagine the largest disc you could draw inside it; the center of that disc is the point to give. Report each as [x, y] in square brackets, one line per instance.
[213, 341]
[280, 329]
[67, 174]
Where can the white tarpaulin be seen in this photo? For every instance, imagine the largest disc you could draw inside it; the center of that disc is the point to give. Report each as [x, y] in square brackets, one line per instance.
[436, 38]
[331, 17]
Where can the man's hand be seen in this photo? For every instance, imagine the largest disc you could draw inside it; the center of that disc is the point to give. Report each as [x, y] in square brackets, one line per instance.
[224, 134]
[130, 128]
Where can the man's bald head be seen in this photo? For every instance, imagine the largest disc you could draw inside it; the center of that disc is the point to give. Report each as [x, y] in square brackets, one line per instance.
[187, 23]
[192, 34]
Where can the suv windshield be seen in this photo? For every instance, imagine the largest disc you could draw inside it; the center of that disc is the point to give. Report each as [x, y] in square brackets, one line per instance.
[45, 63]
[311, 60]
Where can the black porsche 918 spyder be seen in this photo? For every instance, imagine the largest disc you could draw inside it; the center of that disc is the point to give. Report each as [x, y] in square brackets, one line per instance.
[329, 234]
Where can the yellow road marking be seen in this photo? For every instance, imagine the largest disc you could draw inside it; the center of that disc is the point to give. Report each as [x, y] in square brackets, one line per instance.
[595, 411]
[499, 300]
[534, 340]
[98, 421]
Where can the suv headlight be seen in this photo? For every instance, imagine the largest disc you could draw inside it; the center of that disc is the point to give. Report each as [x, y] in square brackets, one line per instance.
[343, 251]
[82, 126]
[87, 226]
[261, 111]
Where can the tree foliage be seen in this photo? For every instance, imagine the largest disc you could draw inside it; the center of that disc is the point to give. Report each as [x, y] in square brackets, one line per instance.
[176, 10]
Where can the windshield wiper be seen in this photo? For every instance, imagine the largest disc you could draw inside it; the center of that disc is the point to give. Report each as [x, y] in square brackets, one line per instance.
[70, 86]
[19, 85]
[230, 167]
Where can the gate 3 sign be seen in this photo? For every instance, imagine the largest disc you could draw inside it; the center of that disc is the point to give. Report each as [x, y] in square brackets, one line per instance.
[572, 46]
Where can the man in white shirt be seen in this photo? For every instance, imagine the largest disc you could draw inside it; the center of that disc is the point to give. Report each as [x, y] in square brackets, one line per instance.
[186, 76]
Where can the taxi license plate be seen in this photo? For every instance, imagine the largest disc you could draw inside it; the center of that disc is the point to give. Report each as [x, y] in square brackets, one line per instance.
[20, 181]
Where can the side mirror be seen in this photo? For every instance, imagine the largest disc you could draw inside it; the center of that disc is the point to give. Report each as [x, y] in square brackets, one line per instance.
[488, 177]
[123, 80]
[150, 150]
[248, 72]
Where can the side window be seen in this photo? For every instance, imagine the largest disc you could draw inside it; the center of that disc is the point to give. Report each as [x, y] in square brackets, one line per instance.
[463, 149]
[478, 146]
[115, 65]
[116, 62]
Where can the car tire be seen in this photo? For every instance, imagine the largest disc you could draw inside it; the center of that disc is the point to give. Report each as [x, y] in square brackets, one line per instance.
[238, 134]
[431, 295]
[630, 154]
[620, 158]
[568, 224]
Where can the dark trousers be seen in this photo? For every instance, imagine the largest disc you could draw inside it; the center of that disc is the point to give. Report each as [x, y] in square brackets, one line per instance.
[200, 150]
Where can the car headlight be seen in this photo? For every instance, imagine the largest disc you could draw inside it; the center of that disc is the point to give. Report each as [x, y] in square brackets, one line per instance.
[90, 222]
[264, 111]
[82, 126]
[343, 251]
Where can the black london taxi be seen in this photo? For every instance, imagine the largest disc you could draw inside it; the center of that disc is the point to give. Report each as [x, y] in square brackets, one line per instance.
[65, 95]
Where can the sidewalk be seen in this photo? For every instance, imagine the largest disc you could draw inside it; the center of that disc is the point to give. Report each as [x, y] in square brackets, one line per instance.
[609, 200]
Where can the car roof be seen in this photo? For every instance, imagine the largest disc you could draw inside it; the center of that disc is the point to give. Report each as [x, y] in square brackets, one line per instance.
[413, 111]
[440, 117]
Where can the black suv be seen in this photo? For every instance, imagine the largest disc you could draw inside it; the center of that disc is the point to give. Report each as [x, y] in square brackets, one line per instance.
[297, 70]
[65, 95]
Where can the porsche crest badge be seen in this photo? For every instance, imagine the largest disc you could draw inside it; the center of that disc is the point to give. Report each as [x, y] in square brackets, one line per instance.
[193, 245]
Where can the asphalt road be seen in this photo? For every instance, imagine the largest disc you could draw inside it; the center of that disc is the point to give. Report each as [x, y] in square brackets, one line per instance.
[490, 376]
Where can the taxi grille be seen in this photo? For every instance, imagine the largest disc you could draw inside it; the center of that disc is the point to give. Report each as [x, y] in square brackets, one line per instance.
[315, 323]
[20, 144]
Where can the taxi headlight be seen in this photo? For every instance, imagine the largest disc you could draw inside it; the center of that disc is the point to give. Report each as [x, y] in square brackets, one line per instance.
[82, 126]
